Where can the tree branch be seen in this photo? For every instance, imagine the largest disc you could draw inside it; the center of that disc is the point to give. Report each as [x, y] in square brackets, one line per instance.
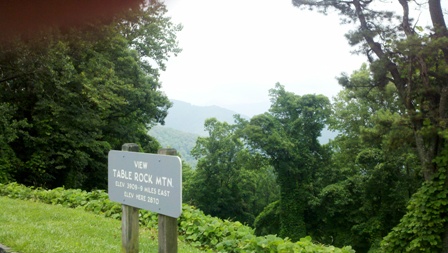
[438, 21]
[9, 78]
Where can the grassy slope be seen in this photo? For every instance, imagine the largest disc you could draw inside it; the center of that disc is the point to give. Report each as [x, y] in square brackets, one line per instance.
[31, 227]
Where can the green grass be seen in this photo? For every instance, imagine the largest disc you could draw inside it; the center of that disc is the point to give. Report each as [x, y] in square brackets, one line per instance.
[30, 227]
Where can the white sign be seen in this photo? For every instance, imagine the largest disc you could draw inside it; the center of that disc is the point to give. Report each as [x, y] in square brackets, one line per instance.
[147, 181]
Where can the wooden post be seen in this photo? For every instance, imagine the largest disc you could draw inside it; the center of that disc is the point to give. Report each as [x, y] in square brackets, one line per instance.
[167, 225]
[129, 218]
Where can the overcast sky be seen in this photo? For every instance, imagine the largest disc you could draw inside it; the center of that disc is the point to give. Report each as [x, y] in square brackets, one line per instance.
[234, 51]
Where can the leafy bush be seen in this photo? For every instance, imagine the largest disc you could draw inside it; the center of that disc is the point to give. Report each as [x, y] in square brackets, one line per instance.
[268, 221]
[194, 226]
[423, 226]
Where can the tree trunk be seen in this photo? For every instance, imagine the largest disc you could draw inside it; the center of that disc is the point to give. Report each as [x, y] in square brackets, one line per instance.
[445, 240]
[292, 206]
[426, 152]
[440, 29]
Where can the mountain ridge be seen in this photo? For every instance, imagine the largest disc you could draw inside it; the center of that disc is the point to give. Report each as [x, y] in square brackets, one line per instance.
[186, 117]
[185, 123]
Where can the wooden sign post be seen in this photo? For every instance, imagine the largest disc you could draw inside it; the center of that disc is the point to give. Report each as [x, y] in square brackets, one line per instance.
[147, 181]
[129, 217]
[167, 225]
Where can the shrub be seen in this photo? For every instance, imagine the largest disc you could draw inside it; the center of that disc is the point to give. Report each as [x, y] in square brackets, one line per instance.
[268, 221]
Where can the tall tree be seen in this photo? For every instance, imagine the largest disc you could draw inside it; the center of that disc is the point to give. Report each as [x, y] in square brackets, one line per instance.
[374, 169]
[288, 134]
[10, 130]
[229, 182]
[415, 60]
[84, 90]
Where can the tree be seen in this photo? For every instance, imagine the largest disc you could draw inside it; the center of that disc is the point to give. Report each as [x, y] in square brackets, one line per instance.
[9, 131]
[229, 181]
[85, 90]
[374, 168]
[287, 135]
[415, 60]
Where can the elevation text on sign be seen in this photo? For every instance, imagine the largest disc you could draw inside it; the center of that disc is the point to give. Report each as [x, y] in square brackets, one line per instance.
[147, 181]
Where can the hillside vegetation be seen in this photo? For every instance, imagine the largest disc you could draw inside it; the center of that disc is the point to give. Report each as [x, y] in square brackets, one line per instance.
[185, 122]
[181, 141]
[200, 230]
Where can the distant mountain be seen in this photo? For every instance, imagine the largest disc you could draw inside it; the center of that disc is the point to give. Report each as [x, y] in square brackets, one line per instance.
[190, 118]
[185, 123]
[250, 109]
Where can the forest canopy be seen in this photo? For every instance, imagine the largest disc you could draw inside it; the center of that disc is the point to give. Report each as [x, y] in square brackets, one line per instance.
[414, 59]
[72, 93]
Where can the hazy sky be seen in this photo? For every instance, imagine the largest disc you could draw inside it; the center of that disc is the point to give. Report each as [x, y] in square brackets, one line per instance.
[234, 51]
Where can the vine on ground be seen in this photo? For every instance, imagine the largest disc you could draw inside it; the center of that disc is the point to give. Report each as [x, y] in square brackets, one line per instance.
[420, 230]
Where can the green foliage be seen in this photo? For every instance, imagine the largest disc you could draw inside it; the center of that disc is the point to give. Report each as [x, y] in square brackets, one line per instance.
[287, 136]
[9, 131]
[415, 61]
[183, 142]
[83, 91]
[268, 221]
[194, 227]
[229, 182]
[423, 227]
[375, 167]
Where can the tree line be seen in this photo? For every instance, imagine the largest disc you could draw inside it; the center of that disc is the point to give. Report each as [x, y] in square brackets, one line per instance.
[271, 171]
[71, 94]
[381, 185]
